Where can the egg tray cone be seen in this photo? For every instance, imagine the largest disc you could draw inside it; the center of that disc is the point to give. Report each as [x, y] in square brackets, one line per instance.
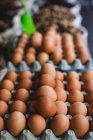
[47, 135]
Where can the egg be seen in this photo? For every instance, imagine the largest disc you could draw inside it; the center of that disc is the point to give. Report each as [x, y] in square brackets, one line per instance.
[3, 108]
[16, 123]
[48, 69]
[88, 86]
[36, 124]
[61, 107]
[31, 50]
[80, 125]
[58, 40]
[89, 96]
[18, 106]
[87, 75]
[59, 124]
[16, 58]
[79, 41]
[68, 39]
[21, 45]
[78, 108]
[91, 125]
[70, 57]
[46, 107]
[1, 124]
[59, 84]
[7, 84]
[59, 76]
[72, 75]
[90, 109]
[25, 83]
[19, 50]
[46, 91]
[22, 94]
[73, 84]
[24, 35]
[29, 58]
[32, 106]
[56, 57]
[12, 76]
[5, 95]
[25, 74]
[36, 40]
[75, 96]
[43, 57]
[61, 94]
[47, 79]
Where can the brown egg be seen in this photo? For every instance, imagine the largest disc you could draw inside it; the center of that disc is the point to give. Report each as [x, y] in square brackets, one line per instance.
[47, 79]
[36, 40]
[79, 40]
[19, 50]
[36, 124]
[90, 109]
[48, 69]
[78, 108]
[88, 86]
[24, 35]
[46, 107]
[72, 75]
[22, 94]
[58, 40]
[16, 123]
[61, 107]
[1, 124]
[5, 95]
[32, 106]
[25, 74]
[29, 58]
[18, 106]
[59, 124]
[43, 57]
[59, 76]
[87, 75]
[89, 96]
[16, 58]
[21, 45]
[73, 84]
[25, 83]
[75, 96]
[3, 108]
[46, 91]
[61, 94]
[12, 76]
[80, 125]
[56, 57]
[31, 50]
[91, 125]
[68, 40]
[59, 84]
[70, 57]
[7, 84]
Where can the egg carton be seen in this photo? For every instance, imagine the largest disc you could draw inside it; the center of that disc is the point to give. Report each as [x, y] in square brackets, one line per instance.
[3, 73]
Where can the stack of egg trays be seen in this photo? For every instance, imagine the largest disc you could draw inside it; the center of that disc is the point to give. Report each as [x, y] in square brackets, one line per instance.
[47, 134]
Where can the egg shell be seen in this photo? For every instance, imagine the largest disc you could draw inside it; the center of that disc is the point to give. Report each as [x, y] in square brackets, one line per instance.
[47, 91]
[58, 40]
[48, 69]
[47, 79]
[12, 76]
[59, 84]
[61, 94]
[36, 40]
[7, 84]
[3, 108]
[61, 107]
[78, 108]
[79, 40]
[25, 74]
[67, 38]
[19, 50]
[75, 96]
[16, 58]
[18, 106]
[32, 106]
[70, 57]
[46, 107]
[59, 76]
[24, 35]
[73, 84]
[59, 124]
[29, 58]
[1, 124]
[43, 57]
[17, 126]
[90, 109]
[81, 122]
[87, 75]
[36, 124]
[21, 45]
[5, 95]
[22, 94]
[31, 50]
[72, 75]
[88, 86]
[89, 96]
[25, 83]
[56, 57]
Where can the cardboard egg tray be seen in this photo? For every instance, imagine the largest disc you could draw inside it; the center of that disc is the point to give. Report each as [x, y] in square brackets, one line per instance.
[47, 134]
